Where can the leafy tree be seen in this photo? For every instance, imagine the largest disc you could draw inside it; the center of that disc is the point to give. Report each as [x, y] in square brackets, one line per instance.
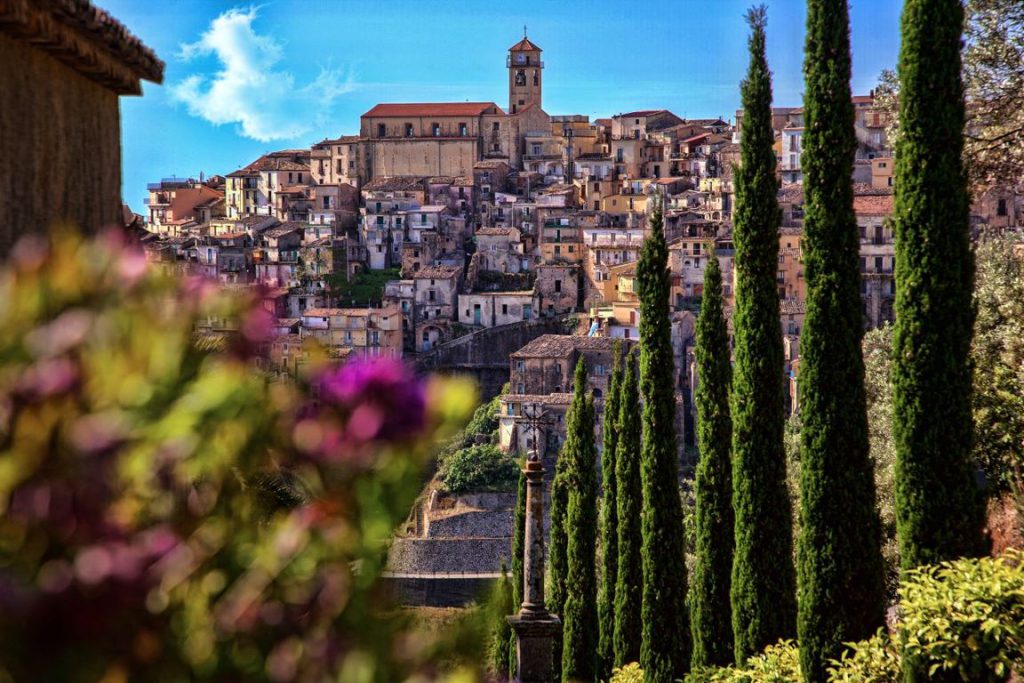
[840, 573]
[482, 467]
[609, 519]
[939, 514]
[580, 628]
[710, 615]
[763, 579]
[629, 581]
[665, 648]
[993, 73]
[997, 353]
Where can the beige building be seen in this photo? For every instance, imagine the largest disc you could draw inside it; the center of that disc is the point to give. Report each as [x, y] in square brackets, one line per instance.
[359, 332]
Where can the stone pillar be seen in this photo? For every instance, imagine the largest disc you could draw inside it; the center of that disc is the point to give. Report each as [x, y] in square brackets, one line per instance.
[535, 627]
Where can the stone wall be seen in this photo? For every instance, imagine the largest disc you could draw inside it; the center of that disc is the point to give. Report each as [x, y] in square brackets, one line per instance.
[449, 555]
[61, 146]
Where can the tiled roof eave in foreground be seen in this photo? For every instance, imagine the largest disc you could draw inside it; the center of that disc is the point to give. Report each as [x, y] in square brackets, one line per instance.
[85, 38]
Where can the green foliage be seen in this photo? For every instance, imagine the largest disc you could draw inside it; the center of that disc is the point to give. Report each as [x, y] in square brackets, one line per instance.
[966, 617]
[609, 519]
[779, 663]
[518, 549]
[169, 513]
[580, 627]
[482, 467]
[558, 541]
[763, 588]
[630, 673]
[665, 647]
[841, 578]
[997, 353]
[364, 289]
[710, 615]
[629, 581]
[484, 420]
[875, 660]
[500, 606]
[939, 511]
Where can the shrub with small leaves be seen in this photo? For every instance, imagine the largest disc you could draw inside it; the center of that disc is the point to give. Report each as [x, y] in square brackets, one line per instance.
[479, 468]
[875, 660]
[966, 616]
[631, 673]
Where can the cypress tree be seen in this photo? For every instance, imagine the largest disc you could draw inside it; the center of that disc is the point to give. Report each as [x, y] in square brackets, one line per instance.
[710, 613]
[841, 574]
[557, 554]
[665, 648]
[580, 629]
[629, 497]
[763, 590]
[609, 525]
[938, 510]
[501, 607]
[518, 549]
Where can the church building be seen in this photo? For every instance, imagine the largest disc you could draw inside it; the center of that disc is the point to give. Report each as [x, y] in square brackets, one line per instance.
[448, 138]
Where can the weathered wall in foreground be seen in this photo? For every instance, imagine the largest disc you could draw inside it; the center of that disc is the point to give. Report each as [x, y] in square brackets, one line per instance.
[59, 144]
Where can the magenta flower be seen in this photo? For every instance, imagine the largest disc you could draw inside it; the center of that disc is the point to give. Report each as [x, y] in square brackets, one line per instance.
[382, 399]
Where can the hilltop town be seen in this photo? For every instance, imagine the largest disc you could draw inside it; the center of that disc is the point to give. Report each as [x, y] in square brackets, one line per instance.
[438, 222]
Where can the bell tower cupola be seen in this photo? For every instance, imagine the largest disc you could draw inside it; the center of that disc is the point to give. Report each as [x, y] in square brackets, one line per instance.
[525, 75]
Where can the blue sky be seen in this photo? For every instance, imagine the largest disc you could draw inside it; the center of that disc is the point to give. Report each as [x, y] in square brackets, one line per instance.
[245, 79]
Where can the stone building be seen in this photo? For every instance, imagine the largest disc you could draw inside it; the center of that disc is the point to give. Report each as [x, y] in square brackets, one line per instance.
[546, 365]
[500, 250]
[356, 332]
[491, 309]
[65, 64]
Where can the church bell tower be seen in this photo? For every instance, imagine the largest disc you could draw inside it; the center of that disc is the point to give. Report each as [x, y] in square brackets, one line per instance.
[525, 75]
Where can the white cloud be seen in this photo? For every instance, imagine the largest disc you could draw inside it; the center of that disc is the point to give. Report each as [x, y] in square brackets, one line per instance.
[247, 90]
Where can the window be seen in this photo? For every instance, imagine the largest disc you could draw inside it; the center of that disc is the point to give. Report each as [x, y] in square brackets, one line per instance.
[408, 130]
[520, 365]
[520, 389]
[431, 295]
[382, 130]
[495, 126]
[463, 130]
[558, 285]
[435, 129]
[599, 369]
[1001, 209]
[879, 261]
[504, 309]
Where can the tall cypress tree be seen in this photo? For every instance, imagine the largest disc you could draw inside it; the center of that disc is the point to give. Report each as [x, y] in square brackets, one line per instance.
[558, 552]
[609, 520]
[938, 513]
[710, 612]
[518, 548]
[763, 590]
[665, 649]
[500, 607]
[580, 629]
[841, 574]
[629, 494]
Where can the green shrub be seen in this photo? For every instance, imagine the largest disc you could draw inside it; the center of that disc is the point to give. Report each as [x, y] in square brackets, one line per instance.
[482, 467]
[779, 663]
[631, 673]
[875, 660]
[966, 615]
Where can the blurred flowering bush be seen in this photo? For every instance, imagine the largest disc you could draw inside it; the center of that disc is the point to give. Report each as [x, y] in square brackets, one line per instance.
[169, 513]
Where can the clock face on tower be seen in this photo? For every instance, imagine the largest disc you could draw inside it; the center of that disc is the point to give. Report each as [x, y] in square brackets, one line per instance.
[520, 59]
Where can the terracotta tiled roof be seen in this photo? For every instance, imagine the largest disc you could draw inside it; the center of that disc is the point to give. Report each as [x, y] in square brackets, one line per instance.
[328, 312]
[873, 205]
[438, 272]
[524, 45]
[431, 109]
[640, 113]
[494, 232]
[561, 345]
[402, 182]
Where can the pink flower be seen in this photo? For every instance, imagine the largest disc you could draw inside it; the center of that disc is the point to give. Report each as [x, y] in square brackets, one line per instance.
[382, 399]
